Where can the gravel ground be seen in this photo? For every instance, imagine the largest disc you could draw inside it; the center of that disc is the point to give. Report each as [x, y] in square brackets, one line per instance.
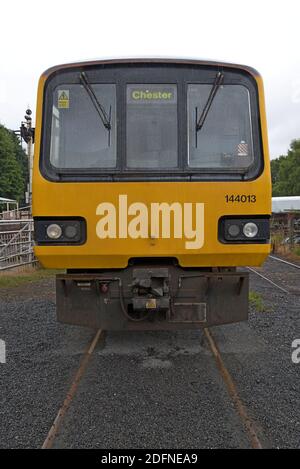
[41, 357]
[153, 390]
[150, 389]
[267, 379]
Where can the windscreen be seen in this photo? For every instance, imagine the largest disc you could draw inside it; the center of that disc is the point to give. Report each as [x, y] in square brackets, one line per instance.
[79, 138]
[144, 122]
[151, 137]
[225, 139]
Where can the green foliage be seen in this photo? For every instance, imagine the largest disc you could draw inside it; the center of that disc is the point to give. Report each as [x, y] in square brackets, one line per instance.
[22, 159]
[13, 166]
[286, 172]
[257, 302]
[296, 251]
[14, 279]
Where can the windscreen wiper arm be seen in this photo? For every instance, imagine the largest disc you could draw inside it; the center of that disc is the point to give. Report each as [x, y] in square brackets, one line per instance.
[99, 108]
[218, 81]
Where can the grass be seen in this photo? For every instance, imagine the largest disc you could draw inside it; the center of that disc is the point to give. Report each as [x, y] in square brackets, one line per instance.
[296, 251]
[277, 238]
[290, 254]
[14, 279]
[257, 302]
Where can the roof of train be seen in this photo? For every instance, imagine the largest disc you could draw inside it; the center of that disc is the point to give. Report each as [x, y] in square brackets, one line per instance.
[149, 59]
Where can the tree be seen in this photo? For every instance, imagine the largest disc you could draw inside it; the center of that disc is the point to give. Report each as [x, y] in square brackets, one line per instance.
[22, 160]
[275, 165]
[286, 172]
[13, 174]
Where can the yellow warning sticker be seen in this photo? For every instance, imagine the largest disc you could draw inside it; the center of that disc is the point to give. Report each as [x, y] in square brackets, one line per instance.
[151, 303]
[63, 100]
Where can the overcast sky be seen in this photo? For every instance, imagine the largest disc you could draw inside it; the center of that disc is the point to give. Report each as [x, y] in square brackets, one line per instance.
[263, 34]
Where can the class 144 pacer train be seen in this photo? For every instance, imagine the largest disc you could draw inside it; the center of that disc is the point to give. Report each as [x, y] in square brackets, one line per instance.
[151, 189]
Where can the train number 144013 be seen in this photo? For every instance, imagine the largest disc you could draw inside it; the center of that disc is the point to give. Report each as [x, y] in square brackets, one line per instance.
[241, 198]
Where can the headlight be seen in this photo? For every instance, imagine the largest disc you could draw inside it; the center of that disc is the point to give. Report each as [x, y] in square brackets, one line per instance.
[235, 229]
[250, 230]
[59, 231]
[54, 231]
[71, 231]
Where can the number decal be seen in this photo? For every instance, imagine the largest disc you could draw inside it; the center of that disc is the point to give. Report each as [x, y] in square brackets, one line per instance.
[241, 198]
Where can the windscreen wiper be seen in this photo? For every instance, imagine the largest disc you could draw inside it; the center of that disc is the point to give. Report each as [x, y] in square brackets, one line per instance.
[106, 119]
[218, 81]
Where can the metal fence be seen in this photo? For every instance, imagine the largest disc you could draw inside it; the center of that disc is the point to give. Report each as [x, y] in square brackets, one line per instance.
[16, 243]
[23, 213]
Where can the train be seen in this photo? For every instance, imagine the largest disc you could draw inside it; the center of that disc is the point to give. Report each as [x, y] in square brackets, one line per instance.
[151, 191]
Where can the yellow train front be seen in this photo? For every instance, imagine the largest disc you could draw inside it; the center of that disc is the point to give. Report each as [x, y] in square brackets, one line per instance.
[151, 185]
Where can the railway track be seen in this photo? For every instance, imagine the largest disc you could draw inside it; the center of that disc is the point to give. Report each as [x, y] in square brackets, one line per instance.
[58, 421]
[233, 393]
[269, 280]
[229, 383]
[242, 413]
[285, 262]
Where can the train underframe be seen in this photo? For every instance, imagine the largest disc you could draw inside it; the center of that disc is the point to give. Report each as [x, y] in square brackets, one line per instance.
[152, 296]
